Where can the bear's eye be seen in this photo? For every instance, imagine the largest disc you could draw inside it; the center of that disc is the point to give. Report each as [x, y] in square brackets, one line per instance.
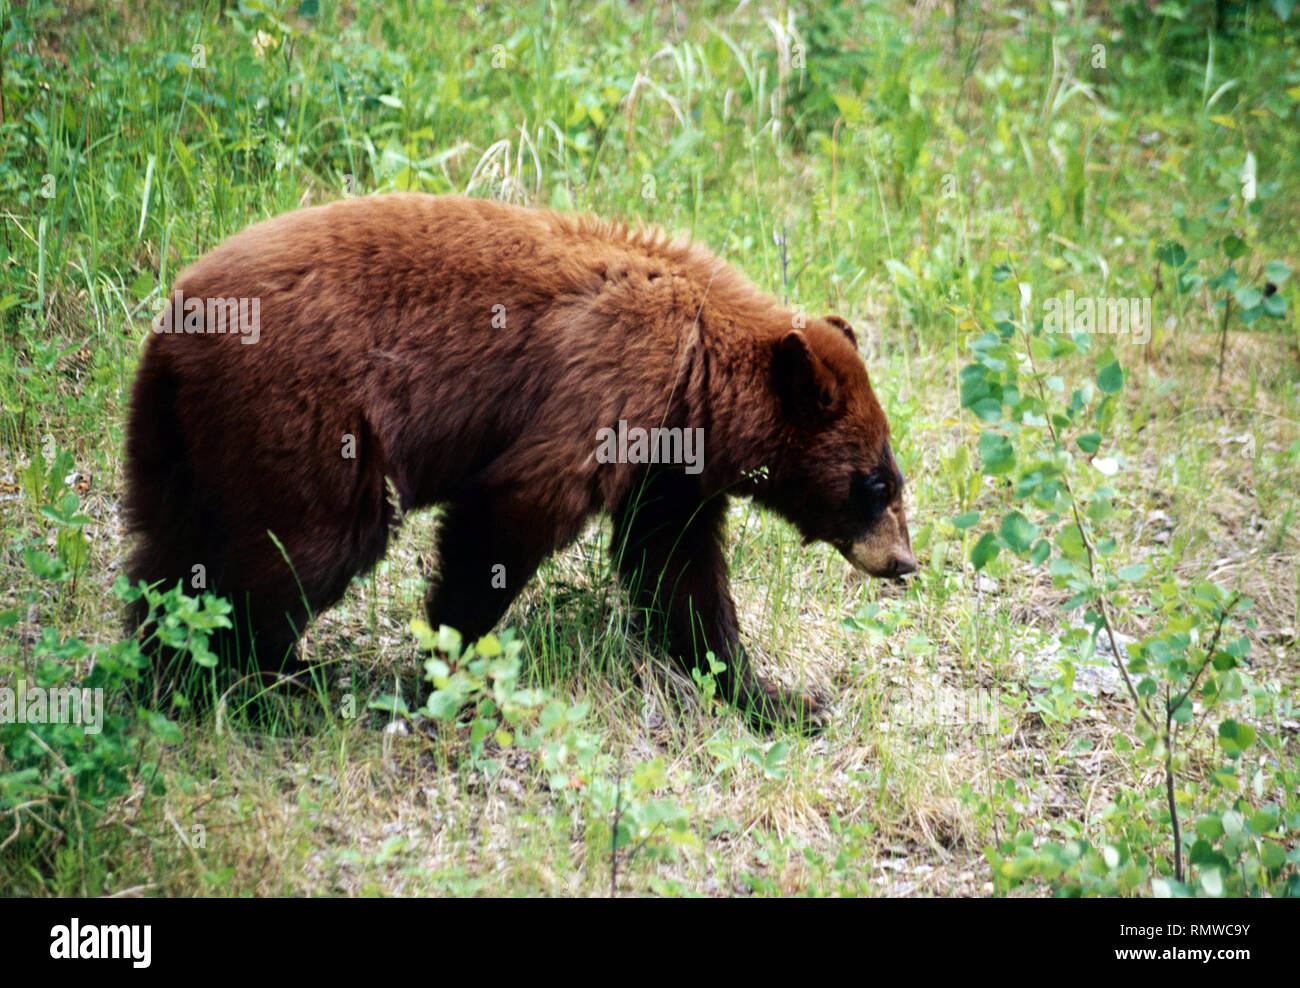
[870, 492]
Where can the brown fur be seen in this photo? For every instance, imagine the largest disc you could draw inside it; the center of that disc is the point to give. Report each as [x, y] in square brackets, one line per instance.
[377, 322]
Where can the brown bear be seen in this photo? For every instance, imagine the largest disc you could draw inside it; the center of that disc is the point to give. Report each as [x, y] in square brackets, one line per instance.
[521, 368]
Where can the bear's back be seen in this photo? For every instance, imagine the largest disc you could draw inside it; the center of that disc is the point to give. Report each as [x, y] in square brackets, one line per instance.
[380, 268]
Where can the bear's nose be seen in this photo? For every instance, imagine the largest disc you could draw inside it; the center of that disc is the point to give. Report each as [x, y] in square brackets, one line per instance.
[900, 566]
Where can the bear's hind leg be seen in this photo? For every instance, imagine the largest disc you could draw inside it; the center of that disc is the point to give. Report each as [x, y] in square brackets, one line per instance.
[488, 550]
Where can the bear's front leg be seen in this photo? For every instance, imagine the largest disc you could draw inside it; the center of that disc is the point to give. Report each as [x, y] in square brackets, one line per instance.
[669, 547]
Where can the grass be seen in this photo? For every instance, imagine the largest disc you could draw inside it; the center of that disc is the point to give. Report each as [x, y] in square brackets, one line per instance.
[888, 162]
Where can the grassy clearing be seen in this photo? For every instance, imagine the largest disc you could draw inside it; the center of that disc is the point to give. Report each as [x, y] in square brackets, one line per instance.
[896, 164]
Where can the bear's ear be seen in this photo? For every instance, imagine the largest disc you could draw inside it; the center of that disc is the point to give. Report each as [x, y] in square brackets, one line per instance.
[843, 326]
[805, 386]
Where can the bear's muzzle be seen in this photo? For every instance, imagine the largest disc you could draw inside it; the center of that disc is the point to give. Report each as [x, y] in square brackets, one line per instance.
[886, 551]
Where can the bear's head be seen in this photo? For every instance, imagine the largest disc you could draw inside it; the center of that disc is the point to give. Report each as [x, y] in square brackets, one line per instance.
[836, 478]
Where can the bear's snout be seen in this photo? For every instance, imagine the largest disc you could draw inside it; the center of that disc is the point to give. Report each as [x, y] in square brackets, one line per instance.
[886, 551]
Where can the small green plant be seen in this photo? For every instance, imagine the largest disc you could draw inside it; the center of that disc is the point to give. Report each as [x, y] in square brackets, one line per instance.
[72, 746]
[1223, 240]
[45, 487]
[478, 696]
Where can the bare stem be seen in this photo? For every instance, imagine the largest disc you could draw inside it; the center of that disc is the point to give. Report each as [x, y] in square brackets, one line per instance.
[1223, 336]
[1169, 788]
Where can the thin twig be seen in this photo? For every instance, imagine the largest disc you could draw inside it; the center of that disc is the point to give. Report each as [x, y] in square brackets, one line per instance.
[1209, 653]
[1169, 789]
[1172, 707]
[1223, 336]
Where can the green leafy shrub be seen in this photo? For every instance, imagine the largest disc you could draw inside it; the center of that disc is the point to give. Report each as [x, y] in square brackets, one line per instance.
[1048, 415]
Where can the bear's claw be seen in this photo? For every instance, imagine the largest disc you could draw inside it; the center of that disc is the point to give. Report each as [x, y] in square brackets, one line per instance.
[772, 706]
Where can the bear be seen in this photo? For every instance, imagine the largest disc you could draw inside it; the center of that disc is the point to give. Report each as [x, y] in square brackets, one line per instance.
[521, 369]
